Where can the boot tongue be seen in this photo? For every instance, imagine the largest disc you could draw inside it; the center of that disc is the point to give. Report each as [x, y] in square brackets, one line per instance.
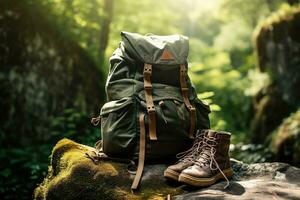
[205, 155]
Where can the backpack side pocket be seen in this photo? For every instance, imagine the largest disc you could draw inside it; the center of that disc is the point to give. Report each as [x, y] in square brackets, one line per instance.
[118, 127]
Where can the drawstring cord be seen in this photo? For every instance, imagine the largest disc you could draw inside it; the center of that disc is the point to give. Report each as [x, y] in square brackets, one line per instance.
[96, 120]
[98, 155]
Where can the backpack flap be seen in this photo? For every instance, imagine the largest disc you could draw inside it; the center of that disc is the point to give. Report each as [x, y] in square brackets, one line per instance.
[154, 49]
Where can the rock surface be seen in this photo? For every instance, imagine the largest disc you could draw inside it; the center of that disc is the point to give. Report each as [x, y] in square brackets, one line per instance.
[72, 175]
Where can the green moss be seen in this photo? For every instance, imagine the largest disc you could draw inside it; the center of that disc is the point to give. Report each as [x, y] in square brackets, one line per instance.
[74, 176]
[286, 13]
[275, 29]
[289, 128]
[285, 140]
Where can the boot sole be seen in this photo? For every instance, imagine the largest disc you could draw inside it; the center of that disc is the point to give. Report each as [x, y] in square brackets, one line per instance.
[171, 174]
[201, 182]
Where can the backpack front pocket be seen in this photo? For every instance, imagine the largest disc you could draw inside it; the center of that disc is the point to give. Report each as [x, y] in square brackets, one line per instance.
[172, 125]
[118, 127]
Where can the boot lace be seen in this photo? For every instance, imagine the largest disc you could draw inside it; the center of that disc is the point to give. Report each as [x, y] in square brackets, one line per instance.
[207, 155]
[190, 154]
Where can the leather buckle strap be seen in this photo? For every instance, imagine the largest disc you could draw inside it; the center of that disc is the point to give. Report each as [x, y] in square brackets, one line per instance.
[185, 94]
[147, 82]
[149, 101]
[147, 77]
[141, 162]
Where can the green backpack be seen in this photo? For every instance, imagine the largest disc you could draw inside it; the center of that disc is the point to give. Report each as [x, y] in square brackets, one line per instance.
[152, 111]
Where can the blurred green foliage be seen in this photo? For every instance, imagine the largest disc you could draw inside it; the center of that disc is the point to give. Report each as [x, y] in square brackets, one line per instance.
[24, 167]
[222, 68]
[75, 126]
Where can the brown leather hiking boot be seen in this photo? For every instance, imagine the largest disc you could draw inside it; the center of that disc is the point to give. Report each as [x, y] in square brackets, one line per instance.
[186, 158]
[212, 163]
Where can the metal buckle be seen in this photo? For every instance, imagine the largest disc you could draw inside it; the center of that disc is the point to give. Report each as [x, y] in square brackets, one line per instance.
[151, 109]
[147, 70]
[192, 109]
[184, 89]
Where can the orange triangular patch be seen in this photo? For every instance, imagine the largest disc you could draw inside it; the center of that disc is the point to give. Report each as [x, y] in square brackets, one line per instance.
[166, 55]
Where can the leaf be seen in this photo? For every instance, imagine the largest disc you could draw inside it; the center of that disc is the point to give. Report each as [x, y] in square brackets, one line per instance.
[6, 172]
[205, 95]
[215, 107]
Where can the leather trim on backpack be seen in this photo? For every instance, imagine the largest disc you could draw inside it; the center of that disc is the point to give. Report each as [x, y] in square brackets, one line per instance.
[185, 95]
[142, 147]
[149, 101]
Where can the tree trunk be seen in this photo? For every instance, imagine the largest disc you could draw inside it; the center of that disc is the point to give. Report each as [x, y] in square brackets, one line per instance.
[104, 33]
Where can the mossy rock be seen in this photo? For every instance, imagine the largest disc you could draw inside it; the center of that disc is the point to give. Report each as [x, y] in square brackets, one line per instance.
[285, 140]
[277, 45]
[73, 176]
[265, 121]
[277, 42]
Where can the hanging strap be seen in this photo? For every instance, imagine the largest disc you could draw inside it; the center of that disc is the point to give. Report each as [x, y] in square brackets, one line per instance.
[97, 155]
[149, 101]
[185, 95]
[141, 161]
